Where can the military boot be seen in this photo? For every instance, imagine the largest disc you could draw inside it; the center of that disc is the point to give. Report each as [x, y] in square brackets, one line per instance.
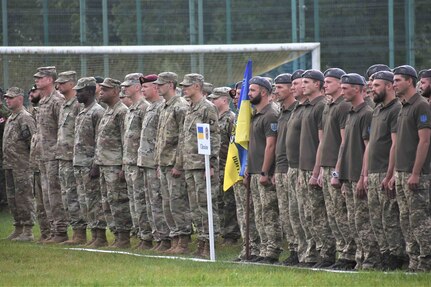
[164, 245]
[200, 248]
[183, 245]
[17, 232]
[79, 237]
[26, 235]
[145, 245]
[93, 236]
[206, 250]
[58, 238]
[123, 240]
[115, 239]
[174, 245]
[101, 240]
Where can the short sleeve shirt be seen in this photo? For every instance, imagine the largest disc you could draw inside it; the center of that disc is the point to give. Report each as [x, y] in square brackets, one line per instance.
[333, 120]
[292, 136]
[263, 124]
[309, 140]
[414, 115]
[357, 131]
[281, 163]
[383, 125]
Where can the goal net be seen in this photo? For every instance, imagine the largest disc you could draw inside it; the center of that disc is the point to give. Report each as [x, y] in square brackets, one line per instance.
[221, 65]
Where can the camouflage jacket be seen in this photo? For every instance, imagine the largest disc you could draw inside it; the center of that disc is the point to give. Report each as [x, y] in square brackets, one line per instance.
[47, 124]
[110, 135]
[35, 152]
[18, 131]
[66, 129]
[225, 122]
[86, 125]
[132, 131]
[147, 146]
[202, 112]
[171, 123]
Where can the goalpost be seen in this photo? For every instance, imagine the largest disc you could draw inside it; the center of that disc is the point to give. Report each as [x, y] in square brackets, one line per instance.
[221, 65]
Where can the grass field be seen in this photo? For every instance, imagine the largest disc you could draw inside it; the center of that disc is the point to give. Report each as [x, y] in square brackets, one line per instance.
[31, 264]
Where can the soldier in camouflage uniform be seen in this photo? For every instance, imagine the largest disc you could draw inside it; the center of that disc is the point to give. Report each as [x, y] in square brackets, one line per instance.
[229, 228]
[20, 127]
[169, 160]
[207, 89]
[333, 126]
[283, 95]
[352, 170]
[383, 206]
[109, 158]
[47, 125]
[147, 165]
[4, 114]
[131, 90]
[261, 166]
[86, 171]
[200, 111]
[73, 199]
[35, 153]
[412, 166]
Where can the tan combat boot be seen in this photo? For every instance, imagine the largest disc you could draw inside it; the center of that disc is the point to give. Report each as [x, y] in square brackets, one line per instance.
[17, 232]
[58, 238]
[101, 240]
[164, 245]
[26, 235]
[123, 240]
[183, 245]
[174, 244]
[79, 237]
[93, 237]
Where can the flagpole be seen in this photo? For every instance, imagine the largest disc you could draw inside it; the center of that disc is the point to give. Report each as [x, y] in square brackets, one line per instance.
[247, 220]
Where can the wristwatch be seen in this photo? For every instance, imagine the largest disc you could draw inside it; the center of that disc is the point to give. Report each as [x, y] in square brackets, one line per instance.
[335, 174]
[262, 173]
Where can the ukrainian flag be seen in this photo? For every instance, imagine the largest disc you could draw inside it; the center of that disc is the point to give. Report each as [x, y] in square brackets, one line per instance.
[238, 147]
[201, 134]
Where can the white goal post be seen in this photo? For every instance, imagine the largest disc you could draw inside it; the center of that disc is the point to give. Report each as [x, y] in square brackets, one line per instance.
[220, 64]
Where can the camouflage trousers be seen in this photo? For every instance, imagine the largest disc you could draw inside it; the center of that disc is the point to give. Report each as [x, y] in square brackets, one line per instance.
[136, 192]
[196, 188]
[319, 222]
[283, 207]
[367, 252]
[3, 196]
[384, 217]
[90, 188]
[41, 216]
[415, 220]
[337, 217]
[266, 217]
[19, 196]
[175, 201]
[314, 245]
[240, 193]
[72, 196]
[52, 199]
[155, 203]
[229, 227]
[115, 200]
[295, 217]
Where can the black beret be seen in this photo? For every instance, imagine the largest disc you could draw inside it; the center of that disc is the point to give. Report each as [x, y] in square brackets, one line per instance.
[384, 75]
[405, 70]
[99, 79]
[261, 82]
[334, 73]
[297, 74]
[425, 74]
[313, 74]
[285, 78]
[353, 79]
[376, 68]
[238, 85]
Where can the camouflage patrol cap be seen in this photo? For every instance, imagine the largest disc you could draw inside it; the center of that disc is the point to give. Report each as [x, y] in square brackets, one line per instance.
[376, 68]
[111, 83]
[405, 70]
[85, 82]
[353, 79]
[131, 79]
[191, 79]
[384, 75]
[46, 72]
[285, 78]
[208, 88]
[68, 76]
[14, 92]
[313, 74]
[166, 77]
[219, 92]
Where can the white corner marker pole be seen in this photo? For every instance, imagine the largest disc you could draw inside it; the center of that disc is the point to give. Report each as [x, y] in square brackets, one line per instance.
[204, 147]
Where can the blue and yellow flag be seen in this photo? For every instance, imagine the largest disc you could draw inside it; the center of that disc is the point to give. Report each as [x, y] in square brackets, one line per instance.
[237, 153]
